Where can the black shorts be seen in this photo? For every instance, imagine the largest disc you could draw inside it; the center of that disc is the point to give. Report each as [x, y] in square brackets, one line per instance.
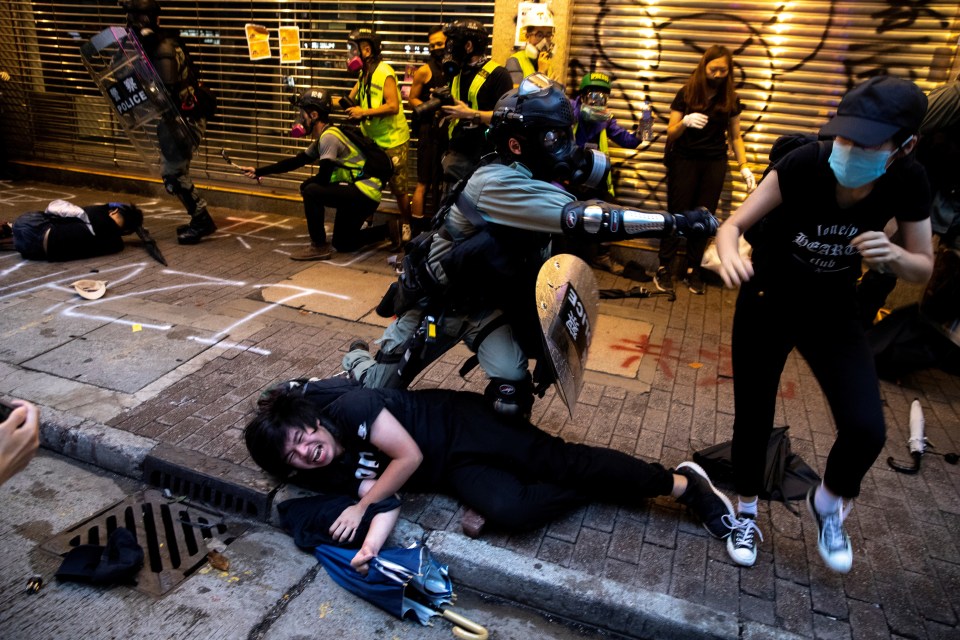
[28, 232]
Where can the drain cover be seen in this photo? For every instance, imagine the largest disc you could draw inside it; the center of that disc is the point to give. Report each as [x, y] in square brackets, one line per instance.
[173, 536]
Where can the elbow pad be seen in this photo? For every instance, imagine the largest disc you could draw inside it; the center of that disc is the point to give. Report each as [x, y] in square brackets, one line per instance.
[605, 221]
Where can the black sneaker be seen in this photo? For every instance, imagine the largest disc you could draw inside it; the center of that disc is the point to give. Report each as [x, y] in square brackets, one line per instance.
[695, 283]
[663, 279]
[358, 344]
[833, 543]
[712, 507]
[742, 543]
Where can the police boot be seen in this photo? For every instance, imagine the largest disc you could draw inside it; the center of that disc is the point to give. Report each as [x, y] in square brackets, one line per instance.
[200, 225]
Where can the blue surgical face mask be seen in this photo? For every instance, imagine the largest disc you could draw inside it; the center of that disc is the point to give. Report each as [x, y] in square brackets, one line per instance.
[855, 166]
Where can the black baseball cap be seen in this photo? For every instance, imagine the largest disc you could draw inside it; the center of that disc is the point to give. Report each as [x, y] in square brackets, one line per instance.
[872, 112]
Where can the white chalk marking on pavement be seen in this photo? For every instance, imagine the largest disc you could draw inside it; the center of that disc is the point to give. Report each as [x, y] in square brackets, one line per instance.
[245, 244]
[282, 252]
[302, 292]
[214, 279]
[229, 345]
[50, 310]
[71, 313]
[15, 267]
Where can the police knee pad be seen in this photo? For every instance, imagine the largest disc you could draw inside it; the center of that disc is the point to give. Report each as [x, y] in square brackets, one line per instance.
[171, 183]
[510, 397]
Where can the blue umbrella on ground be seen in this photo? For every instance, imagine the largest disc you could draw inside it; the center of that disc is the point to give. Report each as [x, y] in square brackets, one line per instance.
[401, 582]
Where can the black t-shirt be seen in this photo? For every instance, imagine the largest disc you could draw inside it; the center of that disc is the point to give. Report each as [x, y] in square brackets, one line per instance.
[429, 416]
[472, 140]
[709, 143]
[806, 240]
[70, 238]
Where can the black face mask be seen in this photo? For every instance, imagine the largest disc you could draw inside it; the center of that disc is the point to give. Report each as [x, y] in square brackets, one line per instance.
[716, 83]
[438, 55]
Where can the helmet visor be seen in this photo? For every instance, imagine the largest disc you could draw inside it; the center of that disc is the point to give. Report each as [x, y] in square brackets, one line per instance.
[534, 83]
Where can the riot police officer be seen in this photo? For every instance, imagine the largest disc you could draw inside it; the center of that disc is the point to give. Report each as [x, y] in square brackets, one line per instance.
[475, 279]
[176, 69]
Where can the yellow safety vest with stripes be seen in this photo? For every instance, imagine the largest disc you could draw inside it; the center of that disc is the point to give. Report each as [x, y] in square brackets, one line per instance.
[526, 64]
[386, 131]
[472, 92]
[351, 166]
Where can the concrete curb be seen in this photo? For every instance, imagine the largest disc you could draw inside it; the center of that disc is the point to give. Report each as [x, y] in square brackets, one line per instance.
[568, 593]
[94, 443]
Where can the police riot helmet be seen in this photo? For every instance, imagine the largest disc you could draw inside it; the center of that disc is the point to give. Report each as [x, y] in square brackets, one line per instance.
[365, 34]
[460, 31]
[538, 114]
[315, 99]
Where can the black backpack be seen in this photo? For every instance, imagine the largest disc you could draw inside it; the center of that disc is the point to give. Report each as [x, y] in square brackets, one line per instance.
[785, 144]
[377, 164]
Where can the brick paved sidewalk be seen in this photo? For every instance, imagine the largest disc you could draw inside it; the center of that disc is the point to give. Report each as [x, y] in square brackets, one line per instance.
[905, 529]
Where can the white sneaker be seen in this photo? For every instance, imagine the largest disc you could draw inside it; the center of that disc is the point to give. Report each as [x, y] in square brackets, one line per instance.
[742, 543]
[833, 543]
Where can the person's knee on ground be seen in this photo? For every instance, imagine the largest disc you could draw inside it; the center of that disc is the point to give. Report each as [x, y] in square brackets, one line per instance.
[513, 398]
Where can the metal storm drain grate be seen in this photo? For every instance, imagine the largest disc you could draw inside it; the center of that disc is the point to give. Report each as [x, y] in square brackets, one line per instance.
[173, 536]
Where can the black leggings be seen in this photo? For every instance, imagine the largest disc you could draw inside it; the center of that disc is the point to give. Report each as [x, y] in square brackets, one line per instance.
[519, 477]
[826, 331]
[691, 184]
[353, 208]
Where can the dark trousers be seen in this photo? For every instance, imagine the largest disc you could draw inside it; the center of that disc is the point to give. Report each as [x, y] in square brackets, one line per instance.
[691, 184]
[519, 477]
[826, 331]
[353, 208]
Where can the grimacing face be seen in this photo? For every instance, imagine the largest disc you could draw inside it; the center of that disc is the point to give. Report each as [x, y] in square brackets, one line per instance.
[310, 449]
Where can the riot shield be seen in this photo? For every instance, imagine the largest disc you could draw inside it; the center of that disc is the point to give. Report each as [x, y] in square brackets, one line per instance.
[134, 91]
[567, 302]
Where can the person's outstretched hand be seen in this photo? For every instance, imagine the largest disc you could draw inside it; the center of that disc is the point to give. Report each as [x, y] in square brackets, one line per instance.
[695, 120]
[19, 439]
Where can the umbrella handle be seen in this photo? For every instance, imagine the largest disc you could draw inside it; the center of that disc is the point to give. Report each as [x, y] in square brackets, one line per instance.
[465, 628]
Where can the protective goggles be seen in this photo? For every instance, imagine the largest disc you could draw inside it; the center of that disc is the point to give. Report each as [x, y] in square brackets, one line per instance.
[595, 98]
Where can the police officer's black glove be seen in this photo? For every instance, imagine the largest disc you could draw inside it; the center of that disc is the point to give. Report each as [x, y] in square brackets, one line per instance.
[697, 222]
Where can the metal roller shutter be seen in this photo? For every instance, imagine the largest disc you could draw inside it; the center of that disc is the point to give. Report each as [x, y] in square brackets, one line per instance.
[52, 111]
[794, 60]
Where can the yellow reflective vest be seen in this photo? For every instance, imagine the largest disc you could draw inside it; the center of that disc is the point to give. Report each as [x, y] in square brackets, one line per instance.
[352, 165]
[472, 92]
[386, 131]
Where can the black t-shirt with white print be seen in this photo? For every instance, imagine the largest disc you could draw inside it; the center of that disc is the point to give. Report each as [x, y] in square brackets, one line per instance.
[429, 416]
[806, 240]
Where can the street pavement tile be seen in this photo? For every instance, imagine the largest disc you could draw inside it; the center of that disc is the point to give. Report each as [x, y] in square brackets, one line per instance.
[793, 607]
[118, 356]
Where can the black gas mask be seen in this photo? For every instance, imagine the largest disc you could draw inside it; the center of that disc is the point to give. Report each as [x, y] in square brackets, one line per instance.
[453, 57]
[539, 116]
[552, 155]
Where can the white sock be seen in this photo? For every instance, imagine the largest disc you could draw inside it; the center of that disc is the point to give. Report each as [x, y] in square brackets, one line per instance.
[749, 508]
[826, 503]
